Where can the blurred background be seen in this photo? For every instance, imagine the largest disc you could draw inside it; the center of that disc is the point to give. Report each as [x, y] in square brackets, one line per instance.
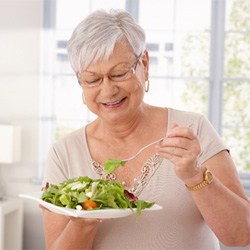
[199, 61]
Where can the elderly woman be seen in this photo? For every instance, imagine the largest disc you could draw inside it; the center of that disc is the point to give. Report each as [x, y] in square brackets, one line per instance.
[190, 173]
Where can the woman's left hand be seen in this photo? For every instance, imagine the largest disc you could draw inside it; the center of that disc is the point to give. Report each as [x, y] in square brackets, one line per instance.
[181, 146]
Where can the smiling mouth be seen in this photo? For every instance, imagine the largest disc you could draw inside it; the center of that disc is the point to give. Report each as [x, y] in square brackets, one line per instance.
[115, 103]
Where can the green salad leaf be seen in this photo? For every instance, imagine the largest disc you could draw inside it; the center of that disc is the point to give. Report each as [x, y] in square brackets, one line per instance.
[73, 193]
[111, 165]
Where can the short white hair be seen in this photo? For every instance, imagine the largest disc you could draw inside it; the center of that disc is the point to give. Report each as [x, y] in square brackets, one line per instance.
[95, 37]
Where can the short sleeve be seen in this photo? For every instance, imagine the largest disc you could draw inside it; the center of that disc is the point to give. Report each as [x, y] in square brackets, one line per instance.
[210, 141]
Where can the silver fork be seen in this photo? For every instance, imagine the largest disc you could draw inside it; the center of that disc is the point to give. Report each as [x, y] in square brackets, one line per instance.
[143, 148]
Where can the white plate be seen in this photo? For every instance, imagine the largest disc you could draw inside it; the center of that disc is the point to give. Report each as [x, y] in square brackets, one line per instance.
[98, 214]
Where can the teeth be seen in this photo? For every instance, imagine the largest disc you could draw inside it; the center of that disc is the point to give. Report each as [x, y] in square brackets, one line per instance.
[113, 103]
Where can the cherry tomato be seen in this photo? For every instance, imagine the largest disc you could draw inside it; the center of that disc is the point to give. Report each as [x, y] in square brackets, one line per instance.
[89, 204]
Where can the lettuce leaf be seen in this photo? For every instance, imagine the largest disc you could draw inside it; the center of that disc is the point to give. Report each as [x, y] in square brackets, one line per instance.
[111, 165]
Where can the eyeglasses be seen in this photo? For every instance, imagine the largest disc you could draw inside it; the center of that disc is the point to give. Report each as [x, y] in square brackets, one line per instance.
[118, 75]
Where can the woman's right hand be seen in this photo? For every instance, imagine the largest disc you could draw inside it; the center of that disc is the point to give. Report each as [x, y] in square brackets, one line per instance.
[84, 221]
[67, 232]
[80, 221]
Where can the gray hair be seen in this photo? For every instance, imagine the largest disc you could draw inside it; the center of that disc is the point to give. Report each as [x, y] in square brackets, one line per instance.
[95, 37]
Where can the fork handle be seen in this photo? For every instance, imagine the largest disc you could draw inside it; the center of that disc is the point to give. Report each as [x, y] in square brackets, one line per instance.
[143, 148]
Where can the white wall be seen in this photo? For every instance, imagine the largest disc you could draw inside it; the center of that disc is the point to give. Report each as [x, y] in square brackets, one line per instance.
[20, 38]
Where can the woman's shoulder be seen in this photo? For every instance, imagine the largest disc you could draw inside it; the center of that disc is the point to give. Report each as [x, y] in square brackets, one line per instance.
[184, 118]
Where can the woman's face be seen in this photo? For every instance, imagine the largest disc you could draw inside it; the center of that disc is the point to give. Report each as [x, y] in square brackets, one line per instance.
[114, 100]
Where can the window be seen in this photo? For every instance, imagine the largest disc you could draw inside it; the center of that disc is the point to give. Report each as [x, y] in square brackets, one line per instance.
[199, 55]
[236, 82]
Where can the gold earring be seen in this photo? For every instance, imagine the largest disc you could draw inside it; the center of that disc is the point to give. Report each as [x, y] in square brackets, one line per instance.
[147, 86]
[83, 98]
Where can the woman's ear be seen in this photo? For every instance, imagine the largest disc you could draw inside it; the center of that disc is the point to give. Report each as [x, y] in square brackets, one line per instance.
[145, 62]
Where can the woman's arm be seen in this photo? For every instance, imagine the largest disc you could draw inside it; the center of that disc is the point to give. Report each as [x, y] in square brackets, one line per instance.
[223, 203]
[63, 232]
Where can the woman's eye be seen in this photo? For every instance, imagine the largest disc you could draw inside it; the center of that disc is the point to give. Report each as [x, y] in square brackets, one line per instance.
[92, 81]
[119, 75]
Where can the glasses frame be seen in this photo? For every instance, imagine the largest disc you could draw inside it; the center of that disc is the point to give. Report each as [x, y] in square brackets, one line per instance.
[132, 69]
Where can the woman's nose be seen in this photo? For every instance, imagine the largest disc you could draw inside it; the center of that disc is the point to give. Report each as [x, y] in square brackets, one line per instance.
[109, 86]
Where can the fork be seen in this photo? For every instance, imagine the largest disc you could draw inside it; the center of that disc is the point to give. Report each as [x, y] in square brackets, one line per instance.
[111, 165]
[143, 148]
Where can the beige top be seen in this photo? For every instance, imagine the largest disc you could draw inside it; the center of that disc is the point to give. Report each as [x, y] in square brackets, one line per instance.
[179, 225]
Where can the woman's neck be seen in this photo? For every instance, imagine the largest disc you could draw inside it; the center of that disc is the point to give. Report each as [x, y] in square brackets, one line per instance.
[123, 130]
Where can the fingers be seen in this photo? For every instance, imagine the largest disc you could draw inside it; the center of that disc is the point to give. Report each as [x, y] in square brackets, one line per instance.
[175, 142]
[178, 141]
[42, 207]
[174, 125]
[180, 131]
[181, 146]
[84, 221]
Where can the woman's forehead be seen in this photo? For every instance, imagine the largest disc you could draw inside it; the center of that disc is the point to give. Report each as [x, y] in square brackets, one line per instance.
[122, 54]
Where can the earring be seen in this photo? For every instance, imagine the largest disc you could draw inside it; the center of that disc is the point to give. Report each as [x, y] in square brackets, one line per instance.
[147, 86]
[83, 98]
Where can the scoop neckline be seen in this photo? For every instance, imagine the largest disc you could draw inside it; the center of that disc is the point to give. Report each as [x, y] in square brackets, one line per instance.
[84, 132]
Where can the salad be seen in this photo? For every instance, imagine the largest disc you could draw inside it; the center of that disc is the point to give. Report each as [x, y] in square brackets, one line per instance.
[88, 194]
[111, 165]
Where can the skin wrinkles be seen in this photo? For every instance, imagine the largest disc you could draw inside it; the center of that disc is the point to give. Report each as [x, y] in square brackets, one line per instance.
[130, 92]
